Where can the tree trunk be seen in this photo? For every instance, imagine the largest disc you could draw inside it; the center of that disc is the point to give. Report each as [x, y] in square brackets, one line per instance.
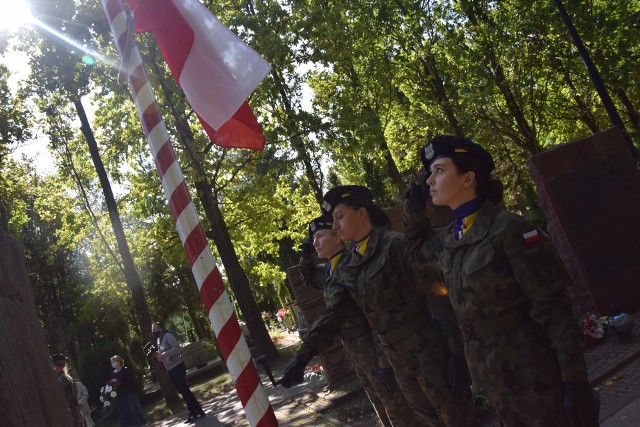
[433, 79]
[585, 114]
[598, 84]
[381, 141]
[237, 278]
[131, 275]
[439, 92]
[392, 167]
[526, 134]
[296, 141]
[634, 117]
[30, 393]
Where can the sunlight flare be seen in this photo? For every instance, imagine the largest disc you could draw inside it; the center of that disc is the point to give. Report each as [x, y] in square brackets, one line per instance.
[15, 14]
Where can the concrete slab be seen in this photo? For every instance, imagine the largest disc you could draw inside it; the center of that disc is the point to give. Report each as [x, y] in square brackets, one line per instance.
[629, 416]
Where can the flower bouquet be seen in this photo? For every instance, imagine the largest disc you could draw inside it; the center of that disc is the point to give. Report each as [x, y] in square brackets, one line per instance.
[284, 317]
[315, 373]
[108, 395]
[593, 326]
[283, 313]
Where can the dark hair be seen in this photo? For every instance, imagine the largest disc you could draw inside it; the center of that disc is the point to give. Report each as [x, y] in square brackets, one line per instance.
[378, 216]
[160, 325]
[486, 187]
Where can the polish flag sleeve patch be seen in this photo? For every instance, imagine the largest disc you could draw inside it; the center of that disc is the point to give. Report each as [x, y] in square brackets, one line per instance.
[531, 236]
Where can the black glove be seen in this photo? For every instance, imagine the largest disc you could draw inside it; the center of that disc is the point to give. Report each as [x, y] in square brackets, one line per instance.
[293, 373]
[307, 249]
[581, 404]
[417, 193]
[386, 377]
[458, 374]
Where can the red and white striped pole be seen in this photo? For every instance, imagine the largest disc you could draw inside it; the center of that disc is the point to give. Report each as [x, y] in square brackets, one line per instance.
[216, 300]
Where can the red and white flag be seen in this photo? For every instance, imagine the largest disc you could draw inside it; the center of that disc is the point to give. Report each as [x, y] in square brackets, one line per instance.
[531, 236]
[216, 70]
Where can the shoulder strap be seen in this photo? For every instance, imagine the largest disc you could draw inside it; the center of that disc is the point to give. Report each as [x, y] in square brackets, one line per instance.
[162, 338]
[74, 390]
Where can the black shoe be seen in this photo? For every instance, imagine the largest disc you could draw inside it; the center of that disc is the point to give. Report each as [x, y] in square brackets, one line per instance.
[191, 419]
[199, 416]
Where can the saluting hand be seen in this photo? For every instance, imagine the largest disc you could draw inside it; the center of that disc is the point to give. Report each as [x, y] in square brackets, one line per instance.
[417, 193]
[306, 249]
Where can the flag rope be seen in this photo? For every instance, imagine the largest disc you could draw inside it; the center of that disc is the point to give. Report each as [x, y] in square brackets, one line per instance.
[225, 324]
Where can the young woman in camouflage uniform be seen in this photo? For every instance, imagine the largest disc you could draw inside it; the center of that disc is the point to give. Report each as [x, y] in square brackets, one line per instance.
[375, 278]
[508, 288]
[370, 364]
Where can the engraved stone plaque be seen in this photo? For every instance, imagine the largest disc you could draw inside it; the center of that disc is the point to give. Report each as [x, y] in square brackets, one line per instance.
[590, 192]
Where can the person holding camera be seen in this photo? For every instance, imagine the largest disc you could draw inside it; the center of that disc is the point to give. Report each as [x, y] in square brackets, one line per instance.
[168, 352]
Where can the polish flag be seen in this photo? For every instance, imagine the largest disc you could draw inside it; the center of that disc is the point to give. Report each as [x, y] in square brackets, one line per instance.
[531, 236]
[216, 70]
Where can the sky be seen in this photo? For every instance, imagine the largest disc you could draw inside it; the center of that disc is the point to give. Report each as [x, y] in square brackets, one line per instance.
[14, 17]
[36, 148]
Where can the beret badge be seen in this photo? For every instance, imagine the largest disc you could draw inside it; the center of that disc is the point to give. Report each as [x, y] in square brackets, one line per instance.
[429, 151]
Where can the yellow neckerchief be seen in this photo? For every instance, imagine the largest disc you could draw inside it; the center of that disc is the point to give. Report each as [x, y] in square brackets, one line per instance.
[467, 222]
[361, 246]
[334, 260]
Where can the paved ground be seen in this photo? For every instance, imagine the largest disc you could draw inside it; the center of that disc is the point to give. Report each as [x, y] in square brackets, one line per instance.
[302, 405]
[614, 369]
[226, 411]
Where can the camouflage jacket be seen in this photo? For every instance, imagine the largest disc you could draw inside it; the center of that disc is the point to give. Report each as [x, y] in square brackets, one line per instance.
[381, 284]
[319, 276]
[492, 270]
[354, 323]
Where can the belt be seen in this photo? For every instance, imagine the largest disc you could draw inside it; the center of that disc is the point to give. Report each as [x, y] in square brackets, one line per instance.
[404, 331]
[494, 325]
[356, 332]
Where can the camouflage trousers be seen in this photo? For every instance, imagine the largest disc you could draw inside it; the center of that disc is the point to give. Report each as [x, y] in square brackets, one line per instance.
[390, 406]
[527, 407]
[420, 363]
[521, 377]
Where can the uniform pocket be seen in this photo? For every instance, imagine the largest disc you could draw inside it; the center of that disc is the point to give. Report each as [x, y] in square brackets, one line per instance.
[478, 258]
[374, 271]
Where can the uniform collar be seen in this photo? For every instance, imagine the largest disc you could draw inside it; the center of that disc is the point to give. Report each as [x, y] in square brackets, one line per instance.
[334, 261]
[372, 243]
[480, 226]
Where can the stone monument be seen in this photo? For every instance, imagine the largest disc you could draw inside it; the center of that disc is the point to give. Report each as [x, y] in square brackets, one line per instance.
[30, 393]
[590, 192]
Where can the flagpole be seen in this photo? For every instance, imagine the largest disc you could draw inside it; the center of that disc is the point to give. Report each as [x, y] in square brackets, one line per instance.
[214, 296]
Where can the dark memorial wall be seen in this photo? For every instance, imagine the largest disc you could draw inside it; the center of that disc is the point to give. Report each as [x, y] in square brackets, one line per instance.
[590, 192]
